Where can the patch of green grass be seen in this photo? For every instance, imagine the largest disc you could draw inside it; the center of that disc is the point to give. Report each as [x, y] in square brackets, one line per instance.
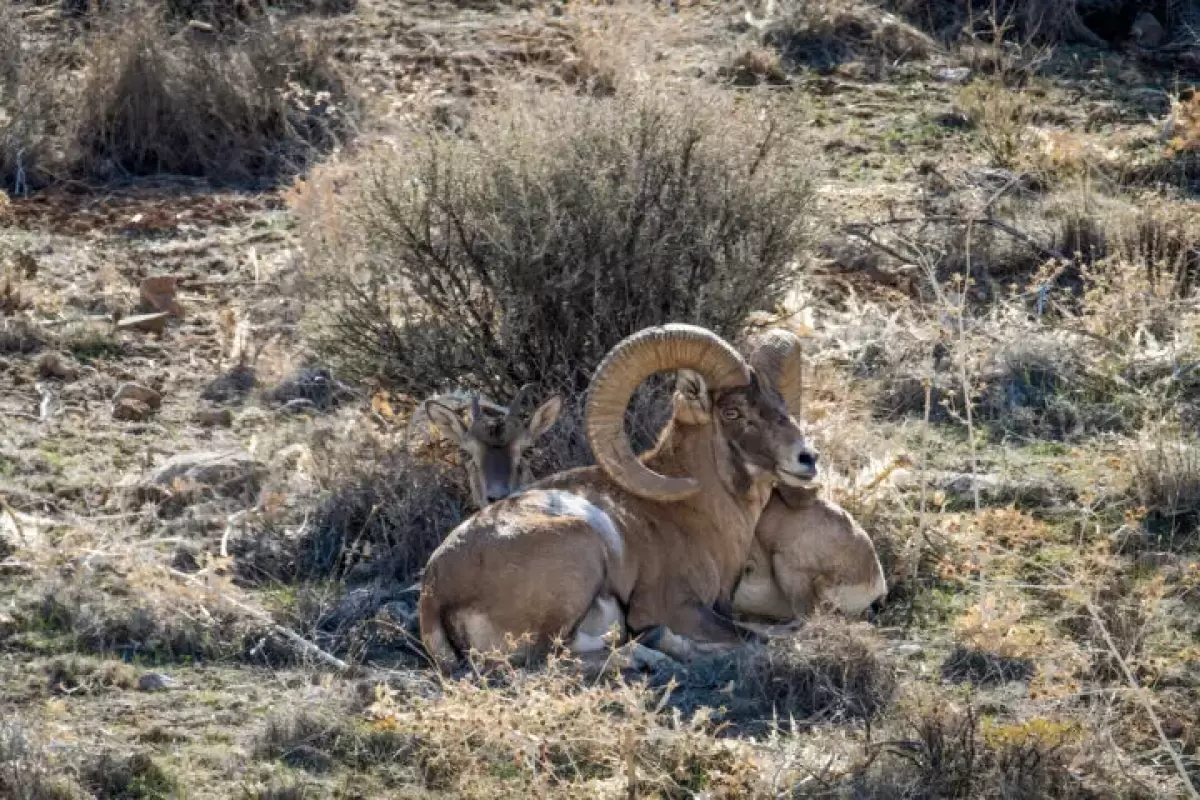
[91, 344]
[1049, 449]
[930, 607]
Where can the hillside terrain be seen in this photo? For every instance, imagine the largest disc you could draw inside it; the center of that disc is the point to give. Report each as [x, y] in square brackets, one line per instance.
[240, 242]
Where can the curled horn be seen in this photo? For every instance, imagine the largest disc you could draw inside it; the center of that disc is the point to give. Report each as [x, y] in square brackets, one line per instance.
[777, 358]
[667, 348]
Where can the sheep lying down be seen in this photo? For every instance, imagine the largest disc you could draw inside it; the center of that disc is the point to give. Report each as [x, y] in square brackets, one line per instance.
[807, 553]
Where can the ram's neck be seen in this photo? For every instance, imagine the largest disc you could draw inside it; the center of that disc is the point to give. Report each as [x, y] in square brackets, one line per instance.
[731, 496]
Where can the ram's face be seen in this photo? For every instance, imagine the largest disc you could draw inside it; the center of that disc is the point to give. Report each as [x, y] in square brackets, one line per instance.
[756, 422]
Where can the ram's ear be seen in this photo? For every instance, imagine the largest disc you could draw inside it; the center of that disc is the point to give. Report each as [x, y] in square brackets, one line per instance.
[545, 416]
[446, 419]
[693, 405]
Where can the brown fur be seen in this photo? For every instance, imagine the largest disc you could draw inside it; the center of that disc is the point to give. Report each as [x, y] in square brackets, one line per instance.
[511, 569]
[807, 551]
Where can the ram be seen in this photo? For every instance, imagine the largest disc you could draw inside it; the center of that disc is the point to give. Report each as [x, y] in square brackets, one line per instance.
[651, 543]
[807, 552]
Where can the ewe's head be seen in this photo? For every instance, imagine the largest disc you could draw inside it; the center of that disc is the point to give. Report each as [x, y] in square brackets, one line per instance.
[745, 401]
[495, 441]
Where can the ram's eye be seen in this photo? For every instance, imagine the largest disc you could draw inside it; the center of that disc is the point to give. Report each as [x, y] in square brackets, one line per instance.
[731, 413]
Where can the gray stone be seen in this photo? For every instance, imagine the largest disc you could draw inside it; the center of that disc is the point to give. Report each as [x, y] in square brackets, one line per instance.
[213, 418]
[952, 74]
[228, 473]
[156, 682]
[142, 394]
[129, 410]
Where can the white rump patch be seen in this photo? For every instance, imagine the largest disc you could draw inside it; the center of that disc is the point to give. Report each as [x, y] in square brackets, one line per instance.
[559, 503]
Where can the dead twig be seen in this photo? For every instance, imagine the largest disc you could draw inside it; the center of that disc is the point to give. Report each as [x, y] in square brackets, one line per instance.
[1141, 696]
[863, 230]
[301, 644]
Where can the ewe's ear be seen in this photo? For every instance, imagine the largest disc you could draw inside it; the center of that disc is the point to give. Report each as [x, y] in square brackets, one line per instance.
[546, 415]
[446, 419]
[692, 404]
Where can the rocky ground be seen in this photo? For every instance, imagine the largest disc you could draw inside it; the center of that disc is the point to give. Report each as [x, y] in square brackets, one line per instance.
[177, 459]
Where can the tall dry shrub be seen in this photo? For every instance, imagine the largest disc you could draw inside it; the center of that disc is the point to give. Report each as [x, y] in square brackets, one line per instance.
[559, 224]
[133, 96]
[1040, 21]
[258, 104]
[33, 79]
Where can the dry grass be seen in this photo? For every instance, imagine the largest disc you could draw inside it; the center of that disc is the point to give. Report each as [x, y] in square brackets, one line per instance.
[542, 732]
[824, 33]
[31, 105]
[260, 106]
[19, 335]
[1042, 645]
[830, 672]
[1001, 117]
[391, 511]
[943, 749]
[77, 674]
[133, 776]
[224, 15]
[1167, 486]
[1022, 21]
[256, 105]
[26, 771]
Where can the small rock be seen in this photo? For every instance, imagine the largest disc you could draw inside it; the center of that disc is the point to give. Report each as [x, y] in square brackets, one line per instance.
[314, 384]
[200, 31]
[130, 410]
[1173, 727]
[56, 365]
[136, 391]
[1147, 31]
[213, 417]
[186, 558]
[953, 120]
[229, 473]
[952, 74]
[156, 682]
[231, 386]
[907, 650]
[158, 294]
[146, 323]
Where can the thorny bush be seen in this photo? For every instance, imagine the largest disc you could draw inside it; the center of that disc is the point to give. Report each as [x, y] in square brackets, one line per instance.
[558, 225]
